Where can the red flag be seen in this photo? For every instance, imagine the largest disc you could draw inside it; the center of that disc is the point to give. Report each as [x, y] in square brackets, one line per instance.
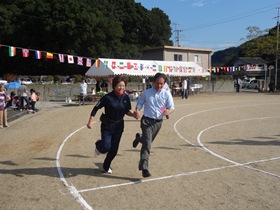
[25, 53]
[113, 64]
[129, 66]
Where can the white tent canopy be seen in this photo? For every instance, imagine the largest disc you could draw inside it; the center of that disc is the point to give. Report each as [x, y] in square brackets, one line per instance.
[106, 66]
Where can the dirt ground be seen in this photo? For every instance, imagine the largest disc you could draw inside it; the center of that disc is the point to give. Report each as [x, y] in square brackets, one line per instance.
[217, 151]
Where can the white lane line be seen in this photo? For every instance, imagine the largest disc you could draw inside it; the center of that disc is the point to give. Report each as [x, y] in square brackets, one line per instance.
[76, 194]
[208, 110]
[231, 102]
[72, 189]
[226, 159]
[176, 175]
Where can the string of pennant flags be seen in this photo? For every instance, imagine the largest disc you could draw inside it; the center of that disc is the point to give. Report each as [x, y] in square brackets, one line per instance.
[80, 60]
[226, 69]
[49, 55]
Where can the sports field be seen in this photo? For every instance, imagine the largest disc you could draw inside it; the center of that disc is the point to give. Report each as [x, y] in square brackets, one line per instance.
[217, 151]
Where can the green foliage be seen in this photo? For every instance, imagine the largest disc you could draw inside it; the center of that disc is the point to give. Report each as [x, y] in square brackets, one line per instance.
[88, 28]
[258, 44]
[263, 46]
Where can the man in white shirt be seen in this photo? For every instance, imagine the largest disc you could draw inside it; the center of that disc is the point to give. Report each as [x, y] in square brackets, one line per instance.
[83, 90]
[157, 103]
[185, 88]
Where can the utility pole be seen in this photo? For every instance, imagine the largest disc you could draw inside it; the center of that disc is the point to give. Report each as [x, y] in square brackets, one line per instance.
[277, 46]
[177, 36]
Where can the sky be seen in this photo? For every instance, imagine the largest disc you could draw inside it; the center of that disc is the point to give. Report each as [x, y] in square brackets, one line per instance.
[215, 24]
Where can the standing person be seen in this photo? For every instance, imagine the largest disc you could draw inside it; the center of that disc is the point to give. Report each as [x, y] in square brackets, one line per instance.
[157, 103]
[83, 91]
[23, 96]
[104, 86]
[116, 105]
[33, 99]
[97, 86]
[4, 98]
[271, 86]
[180, 85]
[185, 88]
[238, 84]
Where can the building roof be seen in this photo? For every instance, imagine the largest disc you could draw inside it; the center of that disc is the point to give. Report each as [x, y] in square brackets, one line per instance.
[178, 49]
[250, 60]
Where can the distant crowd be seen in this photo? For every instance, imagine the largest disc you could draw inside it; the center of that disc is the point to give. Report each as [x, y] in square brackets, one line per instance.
[24, 99]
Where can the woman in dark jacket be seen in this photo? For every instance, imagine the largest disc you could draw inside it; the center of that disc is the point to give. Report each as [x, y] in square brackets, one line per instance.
[116, 104]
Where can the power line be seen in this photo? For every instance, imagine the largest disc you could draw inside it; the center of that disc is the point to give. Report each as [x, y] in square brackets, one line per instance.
[230, 19]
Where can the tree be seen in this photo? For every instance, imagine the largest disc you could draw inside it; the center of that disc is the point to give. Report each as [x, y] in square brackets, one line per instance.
[88, 28]
[263, 46]
[254, 32]
[259, 44]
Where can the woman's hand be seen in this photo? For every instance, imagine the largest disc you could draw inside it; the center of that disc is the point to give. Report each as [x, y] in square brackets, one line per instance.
[136, 114]
[89, 124]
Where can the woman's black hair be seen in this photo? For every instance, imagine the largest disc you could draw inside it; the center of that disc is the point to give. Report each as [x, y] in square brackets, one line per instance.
[117, 79]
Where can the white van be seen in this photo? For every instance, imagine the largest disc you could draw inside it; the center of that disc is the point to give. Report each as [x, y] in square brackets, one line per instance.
[254, 84]
[25, 81]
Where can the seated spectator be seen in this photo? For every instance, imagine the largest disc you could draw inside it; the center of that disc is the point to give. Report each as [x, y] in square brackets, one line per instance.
[15, 103]
[12, 96]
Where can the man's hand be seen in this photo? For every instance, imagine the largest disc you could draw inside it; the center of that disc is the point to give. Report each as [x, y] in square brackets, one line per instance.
[136, 114]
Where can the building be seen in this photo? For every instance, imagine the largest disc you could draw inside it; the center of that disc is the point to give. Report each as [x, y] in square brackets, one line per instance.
[254, 67]
[172, 53]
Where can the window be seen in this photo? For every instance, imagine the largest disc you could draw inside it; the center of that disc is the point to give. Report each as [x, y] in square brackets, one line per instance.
[197, 59]
[177, 57]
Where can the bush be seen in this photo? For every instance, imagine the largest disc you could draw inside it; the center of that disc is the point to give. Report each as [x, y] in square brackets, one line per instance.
[10, 77]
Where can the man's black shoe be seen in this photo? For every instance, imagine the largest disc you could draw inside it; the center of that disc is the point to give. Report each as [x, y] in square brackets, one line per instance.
[146, 173]
[136, 140]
